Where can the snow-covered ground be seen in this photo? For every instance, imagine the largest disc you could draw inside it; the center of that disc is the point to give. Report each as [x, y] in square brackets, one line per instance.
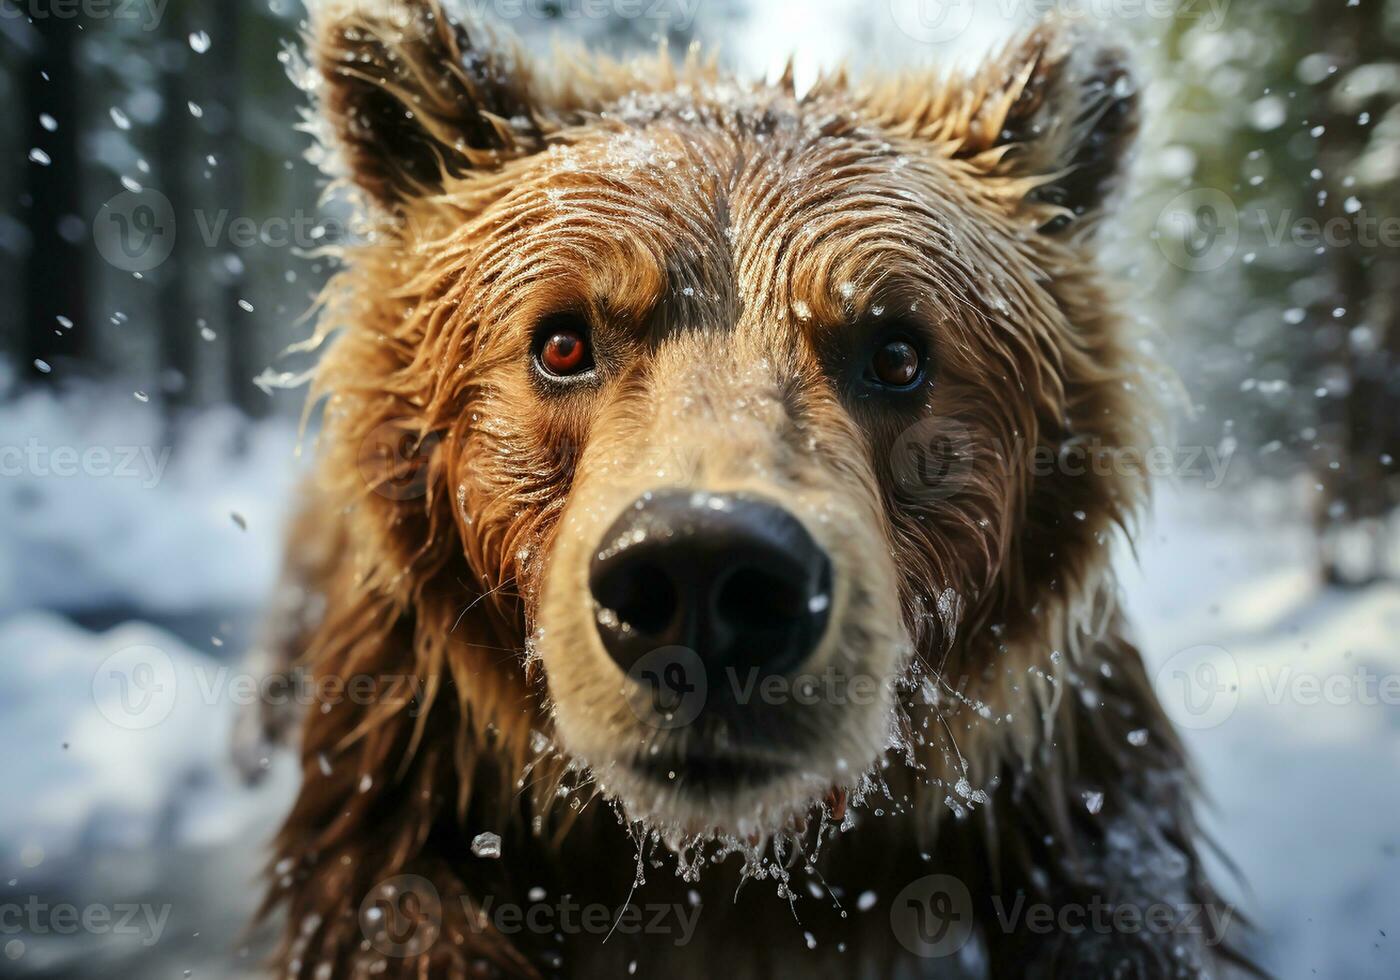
[119, 796]
[133, 559]
[81, 478]
[1289, 697]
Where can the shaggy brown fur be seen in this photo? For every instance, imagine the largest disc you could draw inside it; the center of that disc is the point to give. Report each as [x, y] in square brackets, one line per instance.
[732, 246]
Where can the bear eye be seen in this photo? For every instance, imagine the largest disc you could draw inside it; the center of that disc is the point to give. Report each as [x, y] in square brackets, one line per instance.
[897, 364]
[562, 348]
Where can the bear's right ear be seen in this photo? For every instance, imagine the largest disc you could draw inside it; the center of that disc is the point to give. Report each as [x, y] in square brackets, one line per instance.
[412, 96]
[1059, 108]
[1056, 113]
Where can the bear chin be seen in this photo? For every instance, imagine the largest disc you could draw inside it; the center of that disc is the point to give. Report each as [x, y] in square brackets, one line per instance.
[746, 817]
[748, 801]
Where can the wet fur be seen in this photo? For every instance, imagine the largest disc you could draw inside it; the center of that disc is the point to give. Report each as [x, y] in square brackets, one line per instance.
[614, 187]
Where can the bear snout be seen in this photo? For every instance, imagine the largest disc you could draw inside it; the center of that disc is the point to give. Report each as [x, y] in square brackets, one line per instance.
[736, 579]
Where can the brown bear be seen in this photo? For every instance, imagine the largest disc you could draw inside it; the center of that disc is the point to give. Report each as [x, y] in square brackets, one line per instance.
[710, 541]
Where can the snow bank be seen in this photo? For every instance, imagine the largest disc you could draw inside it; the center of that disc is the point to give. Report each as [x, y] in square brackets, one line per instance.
[102, 506]
[116, 740]
[1294, 720]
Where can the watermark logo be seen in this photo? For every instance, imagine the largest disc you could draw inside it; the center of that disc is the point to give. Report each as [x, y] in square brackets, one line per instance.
[932, 916]
[1102, 917]
[1199, 229]
[402, 916]
[135, 687]
[135, 230]
[393, 459]
[932, 21]
[933, 459]
[1199, 687]
[667, 687]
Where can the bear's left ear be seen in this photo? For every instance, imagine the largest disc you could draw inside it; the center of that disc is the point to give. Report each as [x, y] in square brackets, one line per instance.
[1060, 109]
[1052, 117]
[412, 95]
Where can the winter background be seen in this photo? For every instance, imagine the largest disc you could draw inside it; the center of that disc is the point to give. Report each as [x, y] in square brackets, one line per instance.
[149, 446]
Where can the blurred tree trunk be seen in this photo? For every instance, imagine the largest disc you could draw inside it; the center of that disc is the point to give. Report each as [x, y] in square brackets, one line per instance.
[242, 343]
[178, 160]
[1358, 424]
[55, 275]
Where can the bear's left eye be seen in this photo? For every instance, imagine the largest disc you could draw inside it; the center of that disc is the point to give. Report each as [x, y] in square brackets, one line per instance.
[562, 348]
[896, 364]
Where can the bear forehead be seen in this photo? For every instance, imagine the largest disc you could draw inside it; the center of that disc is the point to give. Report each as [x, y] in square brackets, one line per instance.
[720, 131]
[742, 110]
[728, 183]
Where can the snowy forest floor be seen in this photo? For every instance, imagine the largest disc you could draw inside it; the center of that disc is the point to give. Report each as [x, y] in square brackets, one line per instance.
[1304, 790]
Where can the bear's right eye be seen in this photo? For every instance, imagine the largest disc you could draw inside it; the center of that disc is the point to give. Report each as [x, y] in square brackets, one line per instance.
[562, 349]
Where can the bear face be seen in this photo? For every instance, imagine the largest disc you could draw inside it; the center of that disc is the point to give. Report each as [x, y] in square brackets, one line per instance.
[730, 454]
[743, 415]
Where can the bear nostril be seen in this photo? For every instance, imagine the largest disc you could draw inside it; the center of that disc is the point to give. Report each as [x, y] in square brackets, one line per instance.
[641, 595]
[752, 599]
[736, 580]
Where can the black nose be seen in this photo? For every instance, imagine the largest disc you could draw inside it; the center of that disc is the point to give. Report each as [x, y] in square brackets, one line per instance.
[736, 579]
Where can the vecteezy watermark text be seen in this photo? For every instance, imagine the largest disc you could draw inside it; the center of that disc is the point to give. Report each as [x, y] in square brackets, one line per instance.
[934, 916]
[1102, 917]
[404, 916]
[147, 13]
[34, 458]
[137, 687]
[1201, 229]
[1201, 686]
[938, 457]
[564, 915]
[36, 917]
